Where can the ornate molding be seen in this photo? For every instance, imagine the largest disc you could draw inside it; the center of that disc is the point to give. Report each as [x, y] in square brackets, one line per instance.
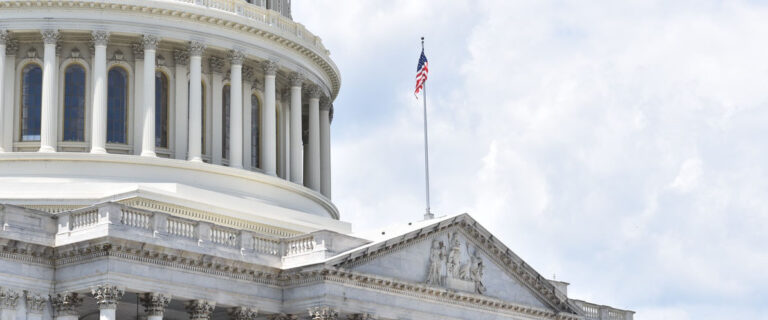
[243, 313]
[466, 276]
[323, 313]
[236, 57]
[36, 303]
[196, 48]
[4, 36]
[315, 92]
[200, 309]
[138, 50]
[216, 64]
[11, 47]
[50, 36]
[361, 316]
[66, 304]
[118, 55]
[181, 57]
[154, 303]
[325, 103]
[9, 298]
[297, 79]
[149, 41]
[269, 67]
[107, 296]
[248, 74]
[100, 38]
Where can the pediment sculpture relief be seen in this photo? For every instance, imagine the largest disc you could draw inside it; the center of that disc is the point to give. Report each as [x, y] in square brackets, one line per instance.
[447, 269]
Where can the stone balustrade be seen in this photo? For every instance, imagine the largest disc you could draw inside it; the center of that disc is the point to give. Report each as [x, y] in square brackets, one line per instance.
[600, 312]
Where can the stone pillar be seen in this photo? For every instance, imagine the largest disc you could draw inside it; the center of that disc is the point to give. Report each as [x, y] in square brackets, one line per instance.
[154, 304]
[323, 313]
[296, 145]
[65, 305]
[4, 37]
[268, 143]
[9, 300]
[325, 147]
[313, 176]
[138, 96]
[148, 128]
[99, 113]
[243, 313]
[36, 304]
[48, 128]
[196, 50]
[217, 84]
[9, 92]
[247, 111]
[236, 109]
[284, 136]
[106, 297]
[181, 57]
[200, 309]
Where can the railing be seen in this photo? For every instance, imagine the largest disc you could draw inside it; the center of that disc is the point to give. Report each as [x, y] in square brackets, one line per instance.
[181, 228]
[136, 219]
[298, 246]
[266, 245]
[83, 219]
[223, 236]
[599, 312]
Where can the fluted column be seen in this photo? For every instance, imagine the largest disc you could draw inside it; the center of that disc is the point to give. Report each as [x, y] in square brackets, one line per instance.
[313, 176]
[247, 121]
[296, 145]
[48, 128]
[9, 92]
[138, 96]
[181, 57]
[36, 304]
[154, 304]
[148, 129]
[236, 109]
[106, 297]
[268, 143]
[196, 50]
[200, 309]
[9, 300]
[323, 313]
[243, 313]
[99, 113]
[217, 85]
[65, 305]
[325, 147]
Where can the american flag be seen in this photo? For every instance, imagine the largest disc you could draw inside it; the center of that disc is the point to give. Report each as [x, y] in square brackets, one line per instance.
[421, 73]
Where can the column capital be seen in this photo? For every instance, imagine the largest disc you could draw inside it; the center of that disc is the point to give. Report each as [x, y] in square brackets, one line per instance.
[149, 41]
[138, 50]
[154, 303]
[50, 36]
[248, 74]
[236, 57]
[196, 48]
[11, 47]
[200, 309]
[100, 37]
[4, 36]
[9, 298]
[181, 57]
[314, 91]
[66, 304]
[270, 67]
[323, 313]
[282, 316]
[216, 64]
[325, 103]
[107, 296]
[35, 302]
[360, 316]
[297, 79]
[243, 313]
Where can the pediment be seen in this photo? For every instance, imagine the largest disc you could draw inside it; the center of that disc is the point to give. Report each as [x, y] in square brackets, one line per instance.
[457, 254]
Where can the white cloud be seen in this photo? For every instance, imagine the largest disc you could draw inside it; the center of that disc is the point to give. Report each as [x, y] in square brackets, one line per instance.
[616, 144]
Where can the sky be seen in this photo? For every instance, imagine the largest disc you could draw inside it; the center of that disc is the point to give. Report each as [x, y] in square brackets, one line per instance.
[619, 146]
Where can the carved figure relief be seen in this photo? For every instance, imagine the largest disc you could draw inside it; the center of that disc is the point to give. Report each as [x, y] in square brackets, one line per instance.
[446, 267]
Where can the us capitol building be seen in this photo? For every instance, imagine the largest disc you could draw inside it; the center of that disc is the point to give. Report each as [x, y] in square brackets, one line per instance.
[170, 159]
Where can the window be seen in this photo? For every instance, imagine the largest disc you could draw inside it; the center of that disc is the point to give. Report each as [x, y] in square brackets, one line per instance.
[255, 121]
[31, 101]
[117, 105]
[161, 110]
[225, 122]
[74, 103]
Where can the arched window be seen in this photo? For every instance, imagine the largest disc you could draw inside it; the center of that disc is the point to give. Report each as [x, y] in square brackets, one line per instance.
[74, 103]
[31, 100]
[117, 105]
[225, 122]
[161, 110]
[255, 120]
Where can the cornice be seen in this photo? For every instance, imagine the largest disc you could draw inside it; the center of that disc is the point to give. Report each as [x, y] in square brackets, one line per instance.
[234, 22]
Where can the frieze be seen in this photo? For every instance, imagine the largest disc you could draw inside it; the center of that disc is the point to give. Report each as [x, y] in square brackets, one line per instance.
[447, 269]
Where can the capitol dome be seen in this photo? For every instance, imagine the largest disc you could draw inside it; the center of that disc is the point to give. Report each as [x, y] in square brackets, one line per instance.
[171, 159]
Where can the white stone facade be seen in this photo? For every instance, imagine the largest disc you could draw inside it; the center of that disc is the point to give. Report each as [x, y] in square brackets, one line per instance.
[170, 159]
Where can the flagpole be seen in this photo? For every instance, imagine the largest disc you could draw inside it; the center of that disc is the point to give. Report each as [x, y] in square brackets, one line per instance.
[428, 215]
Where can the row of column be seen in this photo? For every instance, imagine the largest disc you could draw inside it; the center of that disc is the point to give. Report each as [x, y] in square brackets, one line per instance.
[317, 176]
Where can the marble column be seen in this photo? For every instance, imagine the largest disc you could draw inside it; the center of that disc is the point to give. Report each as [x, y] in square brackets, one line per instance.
[247, 112]
[268, 143]
[48, 128]
[4, 37]
[313, 176]
[325, 147]
[181, 57]
[296, 145]
[323, 313]
[106, 297]
[99, 109]
[236, 109]
[217, 86]
[200, 309]
[196, 50]
[9, 300]
[243, 313]
[148, 128]
[154, 304]
[9, 92]
[65, 305]
[36, 304]
[138, 96]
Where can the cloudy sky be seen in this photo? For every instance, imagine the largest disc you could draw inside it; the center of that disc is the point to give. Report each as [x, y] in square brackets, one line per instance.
[619, 145]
